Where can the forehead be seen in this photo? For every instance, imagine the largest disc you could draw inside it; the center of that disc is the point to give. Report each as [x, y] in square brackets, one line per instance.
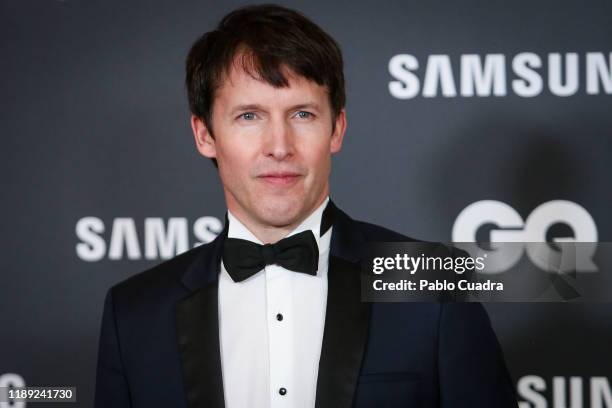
[240, 87]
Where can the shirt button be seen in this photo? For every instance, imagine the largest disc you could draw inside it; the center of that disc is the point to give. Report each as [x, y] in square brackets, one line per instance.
[279, 317]
[282, 391]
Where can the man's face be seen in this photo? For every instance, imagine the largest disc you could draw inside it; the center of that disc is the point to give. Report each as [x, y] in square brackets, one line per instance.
[273, 147]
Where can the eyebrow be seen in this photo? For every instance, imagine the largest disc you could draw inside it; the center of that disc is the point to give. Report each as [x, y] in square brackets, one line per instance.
[249, 107]
[257, 107]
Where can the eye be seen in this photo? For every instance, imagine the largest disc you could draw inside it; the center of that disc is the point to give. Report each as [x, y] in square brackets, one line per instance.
[304, 115]
[247, 116]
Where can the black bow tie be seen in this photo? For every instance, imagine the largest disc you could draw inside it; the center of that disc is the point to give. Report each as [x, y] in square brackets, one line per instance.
[298, 253]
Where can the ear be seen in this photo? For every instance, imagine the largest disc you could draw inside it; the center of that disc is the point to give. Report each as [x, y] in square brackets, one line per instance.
[205, 143]
[338, 135]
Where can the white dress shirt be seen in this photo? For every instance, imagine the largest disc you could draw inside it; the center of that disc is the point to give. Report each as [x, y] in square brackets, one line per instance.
[271, 328]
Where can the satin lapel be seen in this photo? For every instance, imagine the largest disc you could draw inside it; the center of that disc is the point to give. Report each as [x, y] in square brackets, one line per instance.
[346, 320]
[344, 337]
[197, 320]
[198, 329]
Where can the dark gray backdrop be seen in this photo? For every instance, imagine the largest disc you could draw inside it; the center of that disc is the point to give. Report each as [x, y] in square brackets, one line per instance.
[95, 124]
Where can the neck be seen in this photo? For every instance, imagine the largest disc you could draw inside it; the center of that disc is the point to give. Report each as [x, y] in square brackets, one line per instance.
[270, 234]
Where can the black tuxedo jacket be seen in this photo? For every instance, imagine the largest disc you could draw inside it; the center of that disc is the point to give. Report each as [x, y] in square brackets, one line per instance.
[159, 344]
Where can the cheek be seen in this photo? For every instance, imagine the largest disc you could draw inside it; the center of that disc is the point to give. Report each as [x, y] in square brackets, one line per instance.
[319, 161]
[235, 153]
[234, 166]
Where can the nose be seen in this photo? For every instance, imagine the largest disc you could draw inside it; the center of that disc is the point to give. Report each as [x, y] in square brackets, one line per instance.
[279, 141]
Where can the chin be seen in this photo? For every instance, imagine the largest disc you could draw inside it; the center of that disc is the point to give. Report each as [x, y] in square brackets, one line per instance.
[281, 212]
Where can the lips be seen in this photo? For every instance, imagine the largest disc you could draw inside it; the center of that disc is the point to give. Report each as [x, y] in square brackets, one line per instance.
[280, 178]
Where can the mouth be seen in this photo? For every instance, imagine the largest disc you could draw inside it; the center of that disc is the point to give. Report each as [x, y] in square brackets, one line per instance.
[280, 178]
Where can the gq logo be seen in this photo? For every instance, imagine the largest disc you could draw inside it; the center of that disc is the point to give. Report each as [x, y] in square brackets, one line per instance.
[573, 253]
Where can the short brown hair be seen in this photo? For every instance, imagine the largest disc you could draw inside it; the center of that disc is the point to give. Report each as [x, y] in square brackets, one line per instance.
[271, 38]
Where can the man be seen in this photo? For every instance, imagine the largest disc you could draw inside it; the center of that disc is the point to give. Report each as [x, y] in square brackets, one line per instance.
[269, 314]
